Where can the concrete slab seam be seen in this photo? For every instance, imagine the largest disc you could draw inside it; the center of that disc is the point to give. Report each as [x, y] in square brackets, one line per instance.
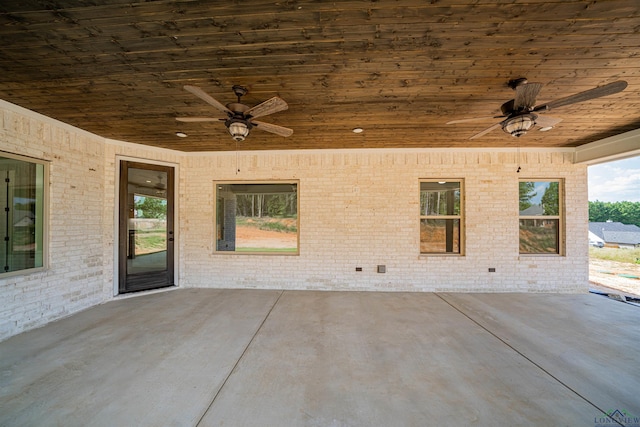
[452, 305]
[235, 366]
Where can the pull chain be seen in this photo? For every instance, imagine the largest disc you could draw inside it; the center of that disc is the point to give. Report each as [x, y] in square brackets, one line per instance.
[237, 164]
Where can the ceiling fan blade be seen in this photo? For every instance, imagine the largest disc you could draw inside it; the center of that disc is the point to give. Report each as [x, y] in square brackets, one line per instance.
[268, 127]
[269, 106]
[207, 98]
[475, 119]
[547, 122]
[526, 95]
[608, 89]
[486, 131]
[198, 119]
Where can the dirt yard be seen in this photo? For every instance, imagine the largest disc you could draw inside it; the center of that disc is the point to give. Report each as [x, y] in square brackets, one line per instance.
[606, 275]
[252, 237]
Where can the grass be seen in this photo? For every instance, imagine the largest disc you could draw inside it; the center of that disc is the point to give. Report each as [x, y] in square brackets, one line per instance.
[277, 226]
[630, 256]
[284, 225]
[148, 241]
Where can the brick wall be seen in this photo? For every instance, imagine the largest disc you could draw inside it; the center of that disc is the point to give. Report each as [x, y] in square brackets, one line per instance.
[74, 279]
[360, 209]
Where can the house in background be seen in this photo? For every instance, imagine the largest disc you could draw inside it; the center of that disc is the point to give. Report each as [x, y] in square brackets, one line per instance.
[616, 234]
[595, 240]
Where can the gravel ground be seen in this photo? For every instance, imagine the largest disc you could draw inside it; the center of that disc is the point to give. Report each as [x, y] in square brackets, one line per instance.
[608, 275]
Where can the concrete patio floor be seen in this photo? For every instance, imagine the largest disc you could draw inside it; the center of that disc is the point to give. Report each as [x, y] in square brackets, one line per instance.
[299, 358]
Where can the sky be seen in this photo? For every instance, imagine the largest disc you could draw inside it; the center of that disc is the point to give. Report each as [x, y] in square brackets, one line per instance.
[540, 188]
[617, 181]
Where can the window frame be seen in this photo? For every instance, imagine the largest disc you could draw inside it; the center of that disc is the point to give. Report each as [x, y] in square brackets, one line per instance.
[216, 218]
[460, 217]
[560, 217]
[45, 188]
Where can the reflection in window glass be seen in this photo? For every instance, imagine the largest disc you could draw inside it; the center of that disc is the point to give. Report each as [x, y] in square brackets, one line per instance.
[434, 236]
[438, 201]
[539, 236]
[540, 210]
[257, 217]
[21, 214]
[149, 226]
[440, 217]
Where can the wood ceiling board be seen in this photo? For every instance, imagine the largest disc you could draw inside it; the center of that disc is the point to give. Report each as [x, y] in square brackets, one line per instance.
[400, 70]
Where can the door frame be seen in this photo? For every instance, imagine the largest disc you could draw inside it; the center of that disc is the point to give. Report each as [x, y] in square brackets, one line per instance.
[116, 223]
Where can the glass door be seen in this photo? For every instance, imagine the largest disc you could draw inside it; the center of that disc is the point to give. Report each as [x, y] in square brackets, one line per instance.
[146, 236]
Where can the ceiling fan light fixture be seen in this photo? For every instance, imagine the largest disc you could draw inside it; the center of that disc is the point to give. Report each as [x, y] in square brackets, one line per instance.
[519, 125]
[238, 130]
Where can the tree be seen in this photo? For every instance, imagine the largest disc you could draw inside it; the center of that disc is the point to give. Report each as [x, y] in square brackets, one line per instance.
[549, 199]
[527, 192]
[150, 207]
[624, 212]
[276, 205]
[598, 211]
[272, 205]
[628, 212]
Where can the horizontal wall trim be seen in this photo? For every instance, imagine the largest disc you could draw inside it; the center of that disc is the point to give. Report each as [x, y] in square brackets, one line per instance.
[616, 147]
[384, 151]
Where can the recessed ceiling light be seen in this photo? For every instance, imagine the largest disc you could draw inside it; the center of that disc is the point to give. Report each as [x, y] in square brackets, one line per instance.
[357, 130]
[181, 134]
[546, 128]
[442, 182]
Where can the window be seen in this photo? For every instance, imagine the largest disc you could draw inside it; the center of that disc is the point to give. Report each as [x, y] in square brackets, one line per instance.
[22, 213]
[257, 217]
[540, 217]
[441, 208]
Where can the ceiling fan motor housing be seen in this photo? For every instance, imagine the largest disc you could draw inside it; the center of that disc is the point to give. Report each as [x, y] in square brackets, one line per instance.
[238, 125]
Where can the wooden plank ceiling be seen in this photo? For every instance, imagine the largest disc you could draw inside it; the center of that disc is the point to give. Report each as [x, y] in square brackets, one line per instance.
[398, 69]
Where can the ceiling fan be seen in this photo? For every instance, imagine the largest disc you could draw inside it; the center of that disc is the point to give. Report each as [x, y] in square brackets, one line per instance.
[160, 187]
[239, 118]
[521, 114]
